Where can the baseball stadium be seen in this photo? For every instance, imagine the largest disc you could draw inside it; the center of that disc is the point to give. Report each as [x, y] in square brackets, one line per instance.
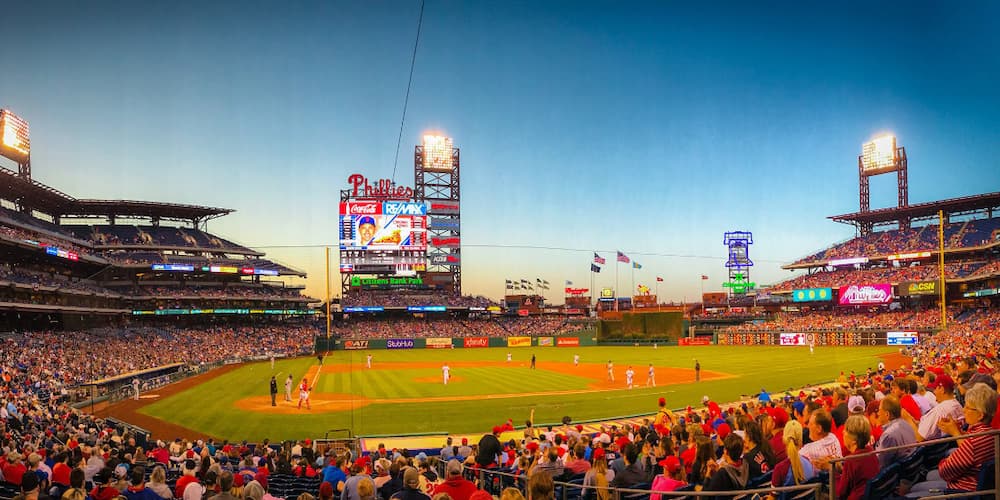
[144, 353]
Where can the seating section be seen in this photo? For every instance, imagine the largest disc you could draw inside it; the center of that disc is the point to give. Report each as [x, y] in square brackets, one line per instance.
[963, 234]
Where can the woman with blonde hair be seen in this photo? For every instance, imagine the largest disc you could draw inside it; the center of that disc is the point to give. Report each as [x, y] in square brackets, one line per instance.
[158, 483]
[511, 494]
[795, 469]
[599, 476]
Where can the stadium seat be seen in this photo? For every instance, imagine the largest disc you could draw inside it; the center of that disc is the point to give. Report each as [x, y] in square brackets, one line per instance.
[987, 479]
[883, 485]
[759, 481]
[8, 490]
[913, 468]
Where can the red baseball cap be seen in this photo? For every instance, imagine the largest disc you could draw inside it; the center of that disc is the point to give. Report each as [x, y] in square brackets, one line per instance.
[532, 446]
[670, 464]
[780, 417]
[465, 440]
[598, 453]
[663, 401]
[497, 429]
[723, 430]
[942, 381]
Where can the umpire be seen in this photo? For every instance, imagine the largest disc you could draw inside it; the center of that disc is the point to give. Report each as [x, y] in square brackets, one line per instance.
[274, 390]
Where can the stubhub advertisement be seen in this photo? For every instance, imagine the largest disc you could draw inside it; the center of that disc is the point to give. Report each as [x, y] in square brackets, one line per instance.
[399, 344]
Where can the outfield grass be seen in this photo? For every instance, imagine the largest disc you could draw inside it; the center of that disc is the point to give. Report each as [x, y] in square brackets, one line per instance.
[210, 407]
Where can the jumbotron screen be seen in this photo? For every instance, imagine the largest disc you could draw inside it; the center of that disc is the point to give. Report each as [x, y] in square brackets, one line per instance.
[383, 237]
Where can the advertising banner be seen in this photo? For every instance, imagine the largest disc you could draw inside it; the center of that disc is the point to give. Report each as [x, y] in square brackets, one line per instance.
[518, 341]
[445, 224]
[793, 339]
[859, 295]
[354, 345]
[694, 341]
[902, 338]
[714, 298]
[476, 342]
[567, 341]
[439, 343]
[399, 344]
[372, 225]
[546, 341]
[812, 295]
[908, 288]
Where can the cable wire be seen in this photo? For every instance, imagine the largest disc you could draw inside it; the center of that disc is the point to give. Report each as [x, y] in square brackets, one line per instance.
[409, 82]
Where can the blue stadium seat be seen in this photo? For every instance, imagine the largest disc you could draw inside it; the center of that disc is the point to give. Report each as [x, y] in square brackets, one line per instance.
[883, 485]
[987, 478]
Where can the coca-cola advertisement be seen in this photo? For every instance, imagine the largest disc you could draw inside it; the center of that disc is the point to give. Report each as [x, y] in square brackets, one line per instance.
[861, 295]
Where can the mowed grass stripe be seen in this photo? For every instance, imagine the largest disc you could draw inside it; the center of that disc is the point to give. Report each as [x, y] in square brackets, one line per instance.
[210, 407]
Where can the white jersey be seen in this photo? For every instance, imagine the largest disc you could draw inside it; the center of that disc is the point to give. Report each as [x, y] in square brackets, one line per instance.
[576, 359]
[369, 361]
[628, 376]
[446, 372]
[508, 357]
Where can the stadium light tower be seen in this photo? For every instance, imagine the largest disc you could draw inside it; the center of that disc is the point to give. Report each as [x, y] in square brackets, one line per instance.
[15, 142]
[436, 167]
[879, 156]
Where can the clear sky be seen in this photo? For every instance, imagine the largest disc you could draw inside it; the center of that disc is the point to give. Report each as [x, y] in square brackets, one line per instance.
[647, 127]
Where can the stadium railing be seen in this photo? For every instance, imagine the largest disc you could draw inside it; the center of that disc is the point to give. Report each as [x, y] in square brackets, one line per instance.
[929, 461]
[493, 481]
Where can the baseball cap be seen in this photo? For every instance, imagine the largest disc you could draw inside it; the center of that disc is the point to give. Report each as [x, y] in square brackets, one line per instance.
[670, 464]
[944, 381]
[366, 220]
[856, 404]
[497, 429]
[704, 399]
[981, 378]
[326, 490]
[780, 417]
[723, 430]
[662, 401]
[411, 478]
[598, 453]
[465, 440]
[454, 468]
[579, 427]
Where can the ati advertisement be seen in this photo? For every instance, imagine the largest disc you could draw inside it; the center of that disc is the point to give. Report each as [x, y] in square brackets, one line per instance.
[389, 225]
[355, 344]
[862, 295]
[908, 288]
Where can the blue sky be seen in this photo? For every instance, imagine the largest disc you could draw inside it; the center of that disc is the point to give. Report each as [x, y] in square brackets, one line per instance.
[648, 127]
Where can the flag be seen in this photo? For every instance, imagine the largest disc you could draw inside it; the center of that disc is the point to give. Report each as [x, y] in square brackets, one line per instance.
[623, 258]
[510, 285]
[599, 260]
[569, 283]
[659, 279]
[636, 265]
[545, 282]
[703, 277]
[594, 268]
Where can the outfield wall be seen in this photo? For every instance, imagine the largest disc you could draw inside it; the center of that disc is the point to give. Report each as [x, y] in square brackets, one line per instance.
[336, 344]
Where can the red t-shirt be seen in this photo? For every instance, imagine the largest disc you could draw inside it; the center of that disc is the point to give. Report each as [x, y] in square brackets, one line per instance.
[60, 474]
[182, 483]
[12, 473]
[911, 406]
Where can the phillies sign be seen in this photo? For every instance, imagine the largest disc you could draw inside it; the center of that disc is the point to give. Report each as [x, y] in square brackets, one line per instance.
[383, 189]
[856, 295]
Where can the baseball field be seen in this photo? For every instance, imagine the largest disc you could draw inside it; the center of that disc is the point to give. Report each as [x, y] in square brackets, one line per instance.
[404, 393]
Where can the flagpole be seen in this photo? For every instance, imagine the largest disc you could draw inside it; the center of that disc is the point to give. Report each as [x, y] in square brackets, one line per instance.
[632, 287]
[702, 295]
[617, 285]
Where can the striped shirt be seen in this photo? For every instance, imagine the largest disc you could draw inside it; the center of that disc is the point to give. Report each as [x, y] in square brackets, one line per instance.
[961, 468]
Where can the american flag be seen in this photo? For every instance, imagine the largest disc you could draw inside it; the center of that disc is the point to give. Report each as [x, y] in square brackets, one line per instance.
[623, 258]
[704, 277]
[599, 260]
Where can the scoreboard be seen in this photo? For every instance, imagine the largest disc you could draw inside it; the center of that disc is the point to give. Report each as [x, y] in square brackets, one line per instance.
[383, 237]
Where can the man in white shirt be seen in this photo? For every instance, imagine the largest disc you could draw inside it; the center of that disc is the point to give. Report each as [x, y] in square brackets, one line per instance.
[944, 389]
[823, 444]
[446, 372]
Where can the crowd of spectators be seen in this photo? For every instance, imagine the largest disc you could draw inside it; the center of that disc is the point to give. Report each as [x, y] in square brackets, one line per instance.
[839, 319]
[844, 276]
[404, 298]
[36, 278]
[957, 235]
[18, 234]
[429, 327]
[246, 292]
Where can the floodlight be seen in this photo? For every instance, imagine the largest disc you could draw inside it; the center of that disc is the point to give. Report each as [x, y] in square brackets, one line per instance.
[879, 154]
[14, 140]
[438, 153]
